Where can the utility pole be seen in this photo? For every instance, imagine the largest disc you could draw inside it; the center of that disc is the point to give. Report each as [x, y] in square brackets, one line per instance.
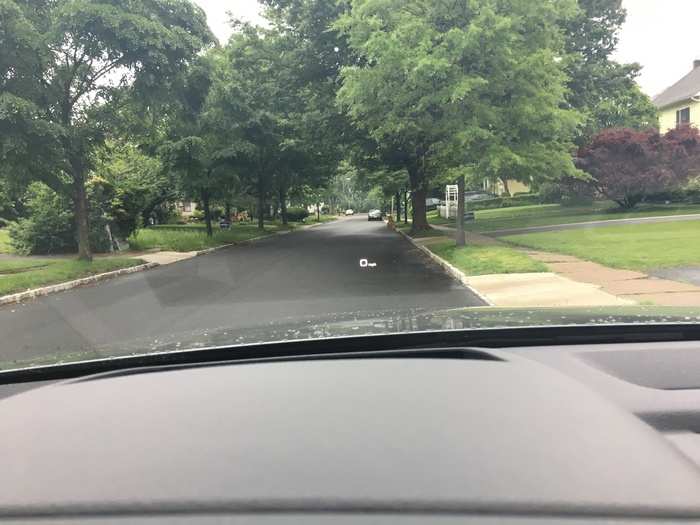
[461, 238]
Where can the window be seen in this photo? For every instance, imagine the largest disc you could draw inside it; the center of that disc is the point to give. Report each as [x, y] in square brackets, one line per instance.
[188, 207]
[682, 117]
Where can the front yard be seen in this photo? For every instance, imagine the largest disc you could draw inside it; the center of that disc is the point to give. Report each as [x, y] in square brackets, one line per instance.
[193, 238]
[632, 246]
[486, 260]
[18, 275]
[549, 214]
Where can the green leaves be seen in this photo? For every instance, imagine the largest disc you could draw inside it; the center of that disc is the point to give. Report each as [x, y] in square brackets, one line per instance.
[471, 84]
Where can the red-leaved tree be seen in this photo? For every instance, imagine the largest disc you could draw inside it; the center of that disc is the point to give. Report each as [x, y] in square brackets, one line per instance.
[627, 165]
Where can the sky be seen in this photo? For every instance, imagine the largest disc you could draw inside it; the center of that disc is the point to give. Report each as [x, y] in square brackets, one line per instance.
[661, 35]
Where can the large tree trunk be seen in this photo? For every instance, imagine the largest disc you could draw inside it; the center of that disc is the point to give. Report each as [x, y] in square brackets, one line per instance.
[506, 189]
[419, 192]
[405, 207]
[82, 218]
[398, 206]
[283, 205]
[207, 212]
[261, 202]
[318, 211]
[461, 238]
[227, 210]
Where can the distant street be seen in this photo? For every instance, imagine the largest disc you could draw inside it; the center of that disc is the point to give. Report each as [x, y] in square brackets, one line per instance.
[290, 280]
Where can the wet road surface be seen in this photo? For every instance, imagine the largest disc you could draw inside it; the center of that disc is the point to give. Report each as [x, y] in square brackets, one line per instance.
[290, 280]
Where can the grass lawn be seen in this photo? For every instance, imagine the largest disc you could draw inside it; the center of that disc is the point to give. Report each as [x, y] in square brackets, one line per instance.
[632, 246]
[487, 260]
[324, 218]
[18, 275]
[5, 246]
[547, 214]
[191, 238]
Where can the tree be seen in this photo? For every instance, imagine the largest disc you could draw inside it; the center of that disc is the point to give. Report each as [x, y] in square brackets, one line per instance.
[68, 59]
[438, 86]
[626, 165]
[603, 90]
[138, 181]
[201, 156]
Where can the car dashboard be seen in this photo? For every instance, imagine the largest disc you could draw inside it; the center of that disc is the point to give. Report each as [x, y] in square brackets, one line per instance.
[563, 433]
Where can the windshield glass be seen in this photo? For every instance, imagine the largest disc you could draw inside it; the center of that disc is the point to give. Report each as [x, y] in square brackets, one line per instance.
[196, 173]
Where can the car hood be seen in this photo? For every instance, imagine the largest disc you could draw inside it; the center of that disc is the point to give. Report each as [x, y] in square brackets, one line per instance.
[374, 323]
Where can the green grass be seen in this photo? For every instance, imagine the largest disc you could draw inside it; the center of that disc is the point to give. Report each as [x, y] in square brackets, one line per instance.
[487, 260]
[324, 219]
[5, 246]
[194, 238]
[42, 272]
[9, 266]
[632, 246]
[548, 214]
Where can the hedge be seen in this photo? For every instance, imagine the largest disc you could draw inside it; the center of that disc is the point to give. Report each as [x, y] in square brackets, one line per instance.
[504, 202]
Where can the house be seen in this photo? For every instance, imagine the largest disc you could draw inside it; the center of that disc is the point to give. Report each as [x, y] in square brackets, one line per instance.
[186, 209]
[679, 105]
[499, 188]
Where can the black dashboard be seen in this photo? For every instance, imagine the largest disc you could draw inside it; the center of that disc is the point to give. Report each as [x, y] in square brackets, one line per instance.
[565, 433]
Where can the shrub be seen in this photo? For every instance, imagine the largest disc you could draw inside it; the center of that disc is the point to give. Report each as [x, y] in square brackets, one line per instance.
[551, 193]
[48, 228]
[297, 214]
[197, 216]
[504, 202]
[627, 165]
[49, 225]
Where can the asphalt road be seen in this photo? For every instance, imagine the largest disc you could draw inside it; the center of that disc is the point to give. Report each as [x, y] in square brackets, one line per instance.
[292, 280]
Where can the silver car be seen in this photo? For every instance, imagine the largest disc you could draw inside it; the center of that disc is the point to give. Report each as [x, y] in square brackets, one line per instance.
[374, 215]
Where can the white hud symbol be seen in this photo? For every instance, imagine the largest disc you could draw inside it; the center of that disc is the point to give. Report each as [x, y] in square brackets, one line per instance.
[364, 263]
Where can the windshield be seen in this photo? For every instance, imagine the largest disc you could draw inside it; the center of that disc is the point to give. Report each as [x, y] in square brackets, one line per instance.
[196, 173]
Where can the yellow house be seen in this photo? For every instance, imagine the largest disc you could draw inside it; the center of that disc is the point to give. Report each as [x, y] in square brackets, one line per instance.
[679, 105]
[499, 187]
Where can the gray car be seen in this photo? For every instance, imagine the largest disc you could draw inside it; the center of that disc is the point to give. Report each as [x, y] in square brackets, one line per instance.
[374, 215]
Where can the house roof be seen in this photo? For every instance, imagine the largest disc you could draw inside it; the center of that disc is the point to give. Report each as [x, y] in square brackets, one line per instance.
[685, 88]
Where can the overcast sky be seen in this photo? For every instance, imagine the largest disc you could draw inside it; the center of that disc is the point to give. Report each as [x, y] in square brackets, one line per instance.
[659, 34]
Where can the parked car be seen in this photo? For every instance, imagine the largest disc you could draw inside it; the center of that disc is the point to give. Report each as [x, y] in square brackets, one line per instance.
[374, 215]
[349, 212]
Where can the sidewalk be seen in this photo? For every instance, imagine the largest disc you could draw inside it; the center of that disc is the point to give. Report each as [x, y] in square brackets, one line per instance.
[523, 289]
[626, 284]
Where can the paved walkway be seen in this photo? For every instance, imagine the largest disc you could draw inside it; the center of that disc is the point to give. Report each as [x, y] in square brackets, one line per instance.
[575, 282]
[530, 289]
[164, 258]
[625, 284]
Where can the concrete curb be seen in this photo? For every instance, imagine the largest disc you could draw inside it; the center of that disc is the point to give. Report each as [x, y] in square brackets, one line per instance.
[454, 272]
[54, 288]
[68, 285]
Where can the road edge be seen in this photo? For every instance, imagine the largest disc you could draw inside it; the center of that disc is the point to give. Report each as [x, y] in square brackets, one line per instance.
[259, 238]
[69, 285]
[453, 271]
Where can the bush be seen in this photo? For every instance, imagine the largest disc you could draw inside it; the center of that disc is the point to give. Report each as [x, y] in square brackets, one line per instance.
[197, 216]
[551, 193]
[297, 214]
[527, 199]
[48, 227]
[628, 166]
